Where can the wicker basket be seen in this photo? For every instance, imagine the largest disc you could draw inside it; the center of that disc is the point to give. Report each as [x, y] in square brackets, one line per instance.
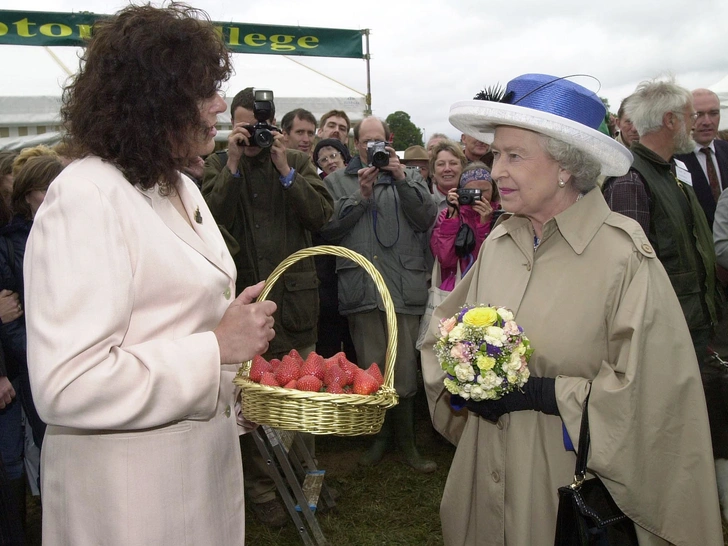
[321, 412]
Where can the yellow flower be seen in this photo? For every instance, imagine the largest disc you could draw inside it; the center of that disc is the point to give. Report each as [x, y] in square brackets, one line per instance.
[481, 316]
[485, 363]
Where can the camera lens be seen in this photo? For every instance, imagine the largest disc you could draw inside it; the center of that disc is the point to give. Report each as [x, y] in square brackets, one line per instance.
[263, 138]
[380, 159]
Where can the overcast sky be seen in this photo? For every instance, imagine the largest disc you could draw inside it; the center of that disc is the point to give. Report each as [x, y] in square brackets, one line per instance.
[426, 56]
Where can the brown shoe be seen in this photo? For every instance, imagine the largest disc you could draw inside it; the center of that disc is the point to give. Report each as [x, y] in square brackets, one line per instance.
[271, 513]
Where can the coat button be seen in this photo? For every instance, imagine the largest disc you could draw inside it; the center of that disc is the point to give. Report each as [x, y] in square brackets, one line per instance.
[495, 476]
[226, 293]
[528, 267]
[647, 248]
[227, 411]
[499, 424]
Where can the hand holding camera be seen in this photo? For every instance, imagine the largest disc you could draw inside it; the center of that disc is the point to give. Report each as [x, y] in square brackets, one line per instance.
[383, 157]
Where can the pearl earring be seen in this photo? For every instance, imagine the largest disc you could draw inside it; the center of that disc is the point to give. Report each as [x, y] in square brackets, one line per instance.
[561, 183]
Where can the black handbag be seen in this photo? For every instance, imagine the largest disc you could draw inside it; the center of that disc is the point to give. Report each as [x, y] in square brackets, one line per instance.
[588, 516]
[464, 240]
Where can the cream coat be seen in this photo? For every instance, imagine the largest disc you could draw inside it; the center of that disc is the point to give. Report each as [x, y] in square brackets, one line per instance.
[121, 298]
[598, 307]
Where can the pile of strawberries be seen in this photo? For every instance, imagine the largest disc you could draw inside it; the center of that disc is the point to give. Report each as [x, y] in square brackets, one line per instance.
[335, 375]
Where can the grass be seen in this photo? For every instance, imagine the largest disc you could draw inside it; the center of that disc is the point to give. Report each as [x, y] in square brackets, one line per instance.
[389, 504]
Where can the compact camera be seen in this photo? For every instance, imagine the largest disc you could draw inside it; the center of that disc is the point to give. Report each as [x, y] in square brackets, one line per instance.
[468, 196]
[377, 156]
[261, 134]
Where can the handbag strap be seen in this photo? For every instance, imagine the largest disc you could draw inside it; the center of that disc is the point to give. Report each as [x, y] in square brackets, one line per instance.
[584, 441]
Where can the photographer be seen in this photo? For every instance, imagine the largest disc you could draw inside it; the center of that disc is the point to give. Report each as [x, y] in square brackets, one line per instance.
[472, 206]
[383, 211]
[269, 200]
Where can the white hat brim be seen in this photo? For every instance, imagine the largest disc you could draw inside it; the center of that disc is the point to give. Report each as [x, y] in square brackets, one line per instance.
[479, 118]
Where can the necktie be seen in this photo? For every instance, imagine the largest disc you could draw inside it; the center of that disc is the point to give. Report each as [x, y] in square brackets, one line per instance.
[712, 175]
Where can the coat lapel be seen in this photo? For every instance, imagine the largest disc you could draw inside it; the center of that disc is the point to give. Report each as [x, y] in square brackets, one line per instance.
[200, 236]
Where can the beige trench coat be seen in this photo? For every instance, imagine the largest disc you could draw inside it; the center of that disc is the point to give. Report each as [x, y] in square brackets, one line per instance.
[597, 307]
[121, 297]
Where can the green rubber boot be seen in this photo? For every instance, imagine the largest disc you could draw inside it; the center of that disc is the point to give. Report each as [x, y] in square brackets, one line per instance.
[403, 416]
[382, 443]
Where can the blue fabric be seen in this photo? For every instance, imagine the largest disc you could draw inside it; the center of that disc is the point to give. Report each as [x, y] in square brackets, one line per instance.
[556, 96]
[568, 444]
[12, 438]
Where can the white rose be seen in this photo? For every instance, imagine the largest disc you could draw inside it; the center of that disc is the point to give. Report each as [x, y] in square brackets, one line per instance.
[491, 380]
[477, 393]
[505, 314]
[457, 333]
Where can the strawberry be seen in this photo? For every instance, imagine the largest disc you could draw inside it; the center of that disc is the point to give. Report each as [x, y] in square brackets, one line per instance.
[295, 355]
[365, 383]
[309, 383]
[334, 388]
[292, 384]
[334, 375]
[314, 365]
[336, 359]
[269, 379]
[373, 370]
[274, 363]
[259, 366]
[350, 370]
[287, 371]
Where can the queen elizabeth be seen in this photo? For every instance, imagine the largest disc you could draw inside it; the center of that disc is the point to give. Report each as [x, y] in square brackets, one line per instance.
[604, 321]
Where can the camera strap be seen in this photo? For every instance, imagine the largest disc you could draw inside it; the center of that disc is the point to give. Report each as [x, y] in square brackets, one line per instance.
[375, 213]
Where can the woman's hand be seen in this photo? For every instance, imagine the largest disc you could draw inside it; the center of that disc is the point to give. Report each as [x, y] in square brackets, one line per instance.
[452, 203]
[484, 210]
[7, 392]
[246, 328]
[10, 308]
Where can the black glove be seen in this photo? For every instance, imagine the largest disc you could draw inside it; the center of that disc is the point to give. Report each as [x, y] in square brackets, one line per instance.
[539, 394]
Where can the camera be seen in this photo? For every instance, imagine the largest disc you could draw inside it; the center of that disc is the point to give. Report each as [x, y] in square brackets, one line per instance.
[468, 196]
[261, 134]
[377, 156]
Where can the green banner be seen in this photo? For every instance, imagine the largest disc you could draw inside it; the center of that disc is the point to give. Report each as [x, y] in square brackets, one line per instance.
[36, 28]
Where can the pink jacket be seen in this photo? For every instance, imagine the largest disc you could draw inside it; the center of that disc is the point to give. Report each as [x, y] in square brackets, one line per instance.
[442, 243]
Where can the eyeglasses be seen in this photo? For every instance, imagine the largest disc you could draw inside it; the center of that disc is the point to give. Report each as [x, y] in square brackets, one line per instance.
[324, 159]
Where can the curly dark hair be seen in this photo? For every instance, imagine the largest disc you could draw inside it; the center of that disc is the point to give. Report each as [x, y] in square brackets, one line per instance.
[135, 102]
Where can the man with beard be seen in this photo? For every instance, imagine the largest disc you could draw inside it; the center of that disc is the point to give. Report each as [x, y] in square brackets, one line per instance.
[658, 194]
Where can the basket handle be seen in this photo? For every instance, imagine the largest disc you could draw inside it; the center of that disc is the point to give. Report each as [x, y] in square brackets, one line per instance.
[391, 354]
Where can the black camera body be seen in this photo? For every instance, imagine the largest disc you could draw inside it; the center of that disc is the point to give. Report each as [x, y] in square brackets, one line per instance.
[377, 156]
[261, 134]
[468, 196]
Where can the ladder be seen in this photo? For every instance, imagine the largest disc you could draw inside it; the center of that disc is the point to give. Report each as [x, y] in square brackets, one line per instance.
[300, 484]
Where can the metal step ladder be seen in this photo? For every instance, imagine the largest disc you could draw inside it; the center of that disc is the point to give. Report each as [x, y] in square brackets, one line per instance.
[300, 484]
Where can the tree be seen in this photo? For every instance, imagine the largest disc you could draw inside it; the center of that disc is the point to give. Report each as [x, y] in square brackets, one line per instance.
[405, 132]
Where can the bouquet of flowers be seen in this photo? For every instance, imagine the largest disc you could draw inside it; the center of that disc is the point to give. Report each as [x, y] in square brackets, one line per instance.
[483, 352]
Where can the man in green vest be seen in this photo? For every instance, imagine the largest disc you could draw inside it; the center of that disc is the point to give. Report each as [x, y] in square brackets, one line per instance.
[657, 192]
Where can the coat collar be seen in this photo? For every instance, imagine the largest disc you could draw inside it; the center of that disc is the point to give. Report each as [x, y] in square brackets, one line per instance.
[578, 224]
[200, 236]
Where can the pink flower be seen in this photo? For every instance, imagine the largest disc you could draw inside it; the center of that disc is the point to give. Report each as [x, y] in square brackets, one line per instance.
[446, 325]
[524, 364]
[460, 351]
[511, 328]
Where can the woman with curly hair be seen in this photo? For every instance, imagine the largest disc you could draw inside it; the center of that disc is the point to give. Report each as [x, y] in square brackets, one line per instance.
[133, 327]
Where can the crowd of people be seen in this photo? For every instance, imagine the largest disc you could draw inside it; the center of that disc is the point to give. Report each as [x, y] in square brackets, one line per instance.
[128, 294]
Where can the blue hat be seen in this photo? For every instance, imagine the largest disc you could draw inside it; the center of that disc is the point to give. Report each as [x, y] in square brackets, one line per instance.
[549, 105]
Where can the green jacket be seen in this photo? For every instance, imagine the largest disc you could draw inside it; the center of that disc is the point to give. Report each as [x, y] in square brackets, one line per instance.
[263, 224]
[390, 230]
[681, 237]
